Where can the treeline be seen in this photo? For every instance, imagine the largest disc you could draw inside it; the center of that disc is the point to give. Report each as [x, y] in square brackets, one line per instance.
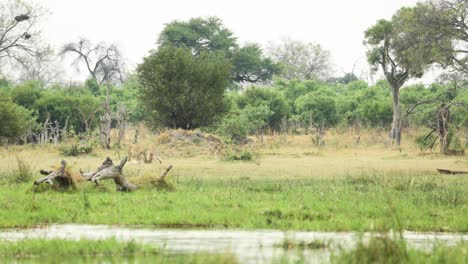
[285, 105]
[27, 106]
[200, 77]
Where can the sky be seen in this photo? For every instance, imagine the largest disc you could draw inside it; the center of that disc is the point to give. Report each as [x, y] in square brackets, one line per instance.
[338, 25]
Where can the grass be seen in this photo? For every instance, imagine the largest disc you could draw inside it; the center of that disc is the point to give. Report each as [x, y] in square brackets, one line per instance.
[97, 251]
[22, 173]
[424, 203]
[382, 249]
[291, 186]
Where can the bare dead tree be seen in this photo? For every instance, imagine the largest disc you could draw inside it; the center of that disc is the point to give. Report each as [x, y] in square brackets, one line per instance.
[110, 171]
[302, 60]
[61, 178]
[42, 68]
[104, 63]
[19, 32]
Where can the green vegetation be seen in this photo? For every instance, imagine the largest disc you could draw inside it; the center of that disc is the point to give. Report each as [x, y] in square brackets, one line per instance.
[248, 63]
[97, 251]
[382, 249]
[194, 98]
[423, 203]
[23, 173]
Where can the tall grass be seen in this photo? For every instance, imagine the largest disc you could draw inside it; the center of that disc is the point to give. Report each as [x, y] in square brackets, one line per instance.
[383, 249]
[98, 251]
[23, 172]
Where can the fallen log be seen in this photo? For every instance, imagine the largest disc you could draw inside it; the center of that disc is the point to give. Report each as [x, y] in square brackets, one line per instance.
[444, 171]
[109, 171]
[60, 178]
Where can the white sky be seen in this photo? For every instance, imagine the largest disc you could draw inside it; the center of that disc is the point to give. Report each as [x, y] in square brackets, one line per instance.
[337, 25]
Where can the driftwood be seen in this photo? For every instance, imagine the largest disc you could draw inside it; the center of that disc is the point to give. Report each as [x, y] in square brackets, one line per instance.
[444, 171]
[110, 171]
[60, 177]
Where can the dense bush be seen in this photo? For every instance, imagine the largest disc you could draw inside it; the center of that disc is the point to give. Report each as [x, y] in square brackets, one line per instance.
[15, 120]
[182, 90]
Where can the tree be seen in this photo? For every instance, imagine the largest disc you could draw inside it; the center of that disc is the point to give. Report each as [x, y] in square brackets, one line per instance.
[199, 35]
[183, 90]
[443, 25]
[249, 65]
[319, 110]
[262, 96]
[26, 94]
[210, 35]
[301, 60]
[42, 68]
[19, 32]
[103, 62]
[393, 49]
[15, 120]
[105, 65]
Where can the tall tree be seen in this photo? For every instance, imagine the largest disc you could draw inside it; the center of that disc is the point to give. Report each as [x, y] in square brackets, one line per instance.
[103, 61]
[19, 32]
[392, 48]
[105, 65]
[183, 90]
[301, 60]
[210, 35]
[443, 25]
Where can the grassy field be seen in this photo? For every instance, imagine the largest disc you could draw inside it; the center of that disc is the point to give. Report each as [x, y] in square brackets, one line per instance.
[292, 185]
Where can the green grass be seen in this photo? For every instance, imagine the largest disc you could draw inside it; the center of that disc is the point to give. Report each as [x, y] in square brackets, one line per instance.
[97, 251]
[365, 202]
[21, 173]
[382, 249]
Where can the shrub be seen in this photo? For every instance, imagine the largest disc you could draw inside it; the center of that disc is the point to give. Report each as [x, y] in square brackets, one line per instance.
[237, 153]
[164, 138]
[76, 149]
[22, 174]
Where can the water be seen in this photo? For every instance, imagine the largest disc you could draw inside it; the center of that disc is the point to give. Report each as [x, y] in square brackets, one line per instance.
[249, 246]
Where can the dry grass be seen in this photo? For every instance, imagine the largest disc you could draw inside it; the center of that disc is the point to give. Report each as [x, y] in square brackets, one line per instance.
[298, 158]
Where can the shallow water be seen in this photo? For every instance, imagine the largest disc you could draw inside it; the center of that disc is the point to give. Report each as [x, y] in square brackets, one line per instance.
[249, 246]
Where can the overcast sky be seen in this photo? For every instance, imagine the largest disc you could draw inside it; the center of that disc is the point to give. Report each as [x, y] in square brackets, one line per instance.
[337, 25]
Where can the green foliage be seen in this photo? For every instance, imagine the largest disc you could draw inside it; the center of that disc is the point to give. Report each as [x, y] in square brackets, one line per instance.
[182, 90]
[249, 65]
[209, 35]
[382, 249]
[26, 94]
[239, 153]
[259, 98]
[318, 107]
[198, 34]
[76, 105]
[65, 248]
[76, 149]
[234, 126]
[294, 89]
[426, 141]
[15, 120]
[23, 173]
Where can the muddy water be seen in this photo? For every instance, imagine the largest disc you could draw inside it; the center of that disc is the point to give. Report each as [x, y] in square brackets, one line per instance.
[257, 246]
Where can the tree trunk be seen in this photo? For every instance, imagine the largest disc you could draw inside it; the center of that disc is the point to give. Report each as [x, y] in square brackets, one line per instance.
[443, 115]
[121, 123]
[395, 133]
[106, 122]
